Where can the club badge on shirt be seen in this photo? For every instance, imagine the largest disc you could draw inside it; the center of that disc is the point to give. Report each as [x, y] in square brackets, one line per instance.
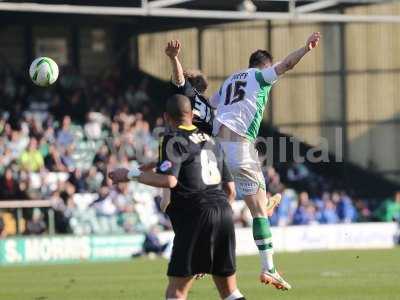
[165, 166]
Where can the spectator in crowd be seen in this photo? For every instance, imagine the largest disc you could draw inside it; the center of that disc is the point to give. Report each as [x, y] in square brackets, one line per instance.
[93, 127]
[298, 175]
[94, 180]
[63, 209]
[122, 198]
[345, 209]
[140, 97]
[305, 213]
[286, 209]
[78, 181]
[2, 227]
[17, 143]
[389, 211]
[363, 212]
[127, 216]
[152, 244]
[53, 160]
[67, 157]
[101, 158]
[5, 157]
[36, 225]
[273, 180]
[8, 185]
[328, 213]
[64, 137]
[31, 159]
[104, 204]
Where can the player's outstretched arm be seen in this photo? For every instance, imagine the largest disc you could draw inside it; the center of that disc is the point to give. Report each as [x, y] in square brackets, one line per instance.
[149, 178]
[172, 51]
[293, 58]
[148, 167]
[158, 180]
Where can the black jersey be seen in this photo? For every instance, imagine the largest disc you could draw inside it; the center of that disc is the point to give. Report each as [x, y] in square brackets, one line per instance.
[198, 162]
[202, 110]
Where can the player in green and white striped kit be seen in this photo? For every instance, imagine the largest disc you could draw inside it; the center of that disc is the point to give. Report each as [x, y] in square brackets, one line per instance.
[240, 105]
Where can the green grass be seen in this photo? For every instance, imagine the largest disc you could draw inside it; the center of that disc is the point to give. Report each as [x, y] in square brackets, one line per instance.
[334, 275]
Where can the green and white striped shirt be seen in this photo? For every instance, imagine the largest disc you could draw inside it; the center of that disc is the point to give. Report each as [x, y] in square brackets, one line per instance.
[241, 101]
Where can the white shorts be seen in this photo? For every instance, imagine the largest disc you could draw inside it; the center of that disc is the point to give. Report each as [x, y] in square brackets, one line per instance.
[244, 164]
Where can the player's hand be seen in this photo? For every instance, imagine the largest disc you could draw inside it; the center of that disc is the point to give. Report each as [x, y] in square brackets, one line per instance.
[119, 175]
[313, 41]
[173, 48]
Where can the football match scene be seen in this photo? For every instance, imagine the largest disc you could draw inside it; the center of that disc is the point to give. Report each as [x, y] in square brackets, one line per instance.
[200, 149]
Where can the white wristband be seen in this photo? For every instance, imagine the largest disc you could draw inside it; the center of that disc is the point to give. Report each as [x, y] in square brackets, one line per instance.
[134, 173]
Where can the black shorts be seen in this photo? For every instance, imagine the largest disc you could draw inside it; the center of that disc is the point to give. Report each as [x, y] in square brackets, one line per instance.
[204, 242]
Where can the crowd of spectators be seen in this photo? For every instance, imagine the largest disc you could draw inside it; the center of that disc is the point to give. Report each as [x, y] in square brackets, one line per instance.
[307, 198]
[54, 146]
[58, 144]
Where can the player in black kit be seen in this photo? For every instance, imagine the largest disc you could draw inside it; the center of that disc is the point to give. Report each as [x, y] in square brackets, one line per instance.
[192, 84]
[192, 165]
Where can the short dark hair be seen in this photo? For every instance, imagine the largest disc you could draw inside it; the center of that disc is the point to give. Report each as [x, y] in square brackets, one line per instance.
[197, 79]
[259, 57]
[178, 106]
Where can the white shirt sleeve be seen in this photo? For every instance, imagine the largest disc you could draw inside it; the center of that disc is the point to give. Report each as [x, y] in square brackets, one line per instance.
[269, 74]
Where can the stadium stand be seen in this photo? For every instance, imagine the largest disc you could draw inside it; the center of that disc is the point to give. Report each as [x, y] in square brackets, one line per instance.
[58, 144]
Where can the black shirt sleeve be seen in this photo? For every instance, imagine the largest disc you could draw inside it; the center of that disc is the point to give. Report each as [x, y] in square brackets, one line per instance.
[172, 154]
[186, 90]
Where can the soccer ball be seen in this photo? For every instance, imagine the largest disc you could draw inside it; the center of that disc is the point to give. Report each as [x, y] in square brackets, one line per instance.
[43, 71]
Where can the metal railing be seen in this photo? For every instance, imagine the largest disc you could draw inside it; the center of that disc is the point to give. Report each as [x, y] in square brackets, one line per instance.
[305, 13]
[20, 205]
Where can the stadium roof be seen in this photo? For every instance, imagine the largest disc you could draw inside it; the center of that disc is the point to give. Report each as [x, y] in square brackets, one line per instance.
[209, 10]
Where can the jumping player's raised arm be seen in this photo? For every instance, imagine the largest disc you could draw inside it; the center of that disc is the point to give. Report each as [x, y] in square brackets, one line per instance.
[293, 58]
[179, 83]
[192, 84]
[172, 51]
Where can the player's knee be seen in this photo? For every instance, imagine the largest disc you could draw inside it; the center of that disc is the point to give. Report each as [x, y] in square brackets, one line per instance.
[257, 205]
[256, 209]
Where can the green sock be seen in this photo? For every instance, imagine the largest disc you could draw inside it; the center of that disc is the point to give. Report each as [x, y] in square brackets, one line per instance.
[263, 238]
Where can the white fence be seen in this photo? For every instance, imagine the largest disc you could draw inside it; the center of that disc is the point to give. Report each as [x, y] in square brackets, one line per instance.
[319, 237]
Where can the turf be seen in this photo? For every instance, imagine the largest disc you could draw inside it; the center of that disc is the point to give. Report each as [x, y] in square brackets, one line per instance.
[341, 275]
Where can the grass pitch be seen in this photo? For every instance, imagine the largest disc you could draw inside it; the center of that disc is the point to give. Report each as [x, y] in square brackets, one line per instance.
[335, 275]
